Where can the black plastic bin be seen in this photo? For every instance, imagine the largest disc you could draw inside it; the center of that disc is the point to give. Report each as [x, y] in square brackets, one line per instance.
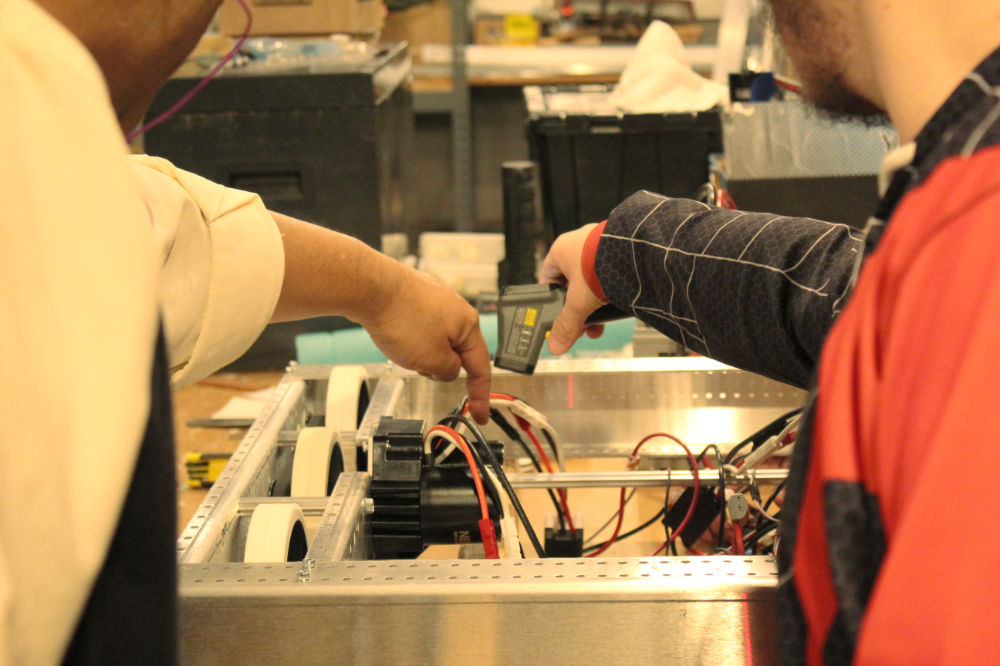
[591, 157]
[331, 146]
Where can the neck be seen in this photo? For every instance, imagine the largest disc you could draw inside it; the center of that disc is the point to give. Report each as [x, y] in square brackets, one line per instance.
[136, 43]
[920, 50]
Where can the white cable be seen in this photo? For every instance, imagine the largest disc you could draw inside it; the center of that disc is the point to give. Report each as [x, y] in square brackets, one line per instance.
[769, 447]
[508, 526]
[452, 444]
[511, 538]
[536, 420]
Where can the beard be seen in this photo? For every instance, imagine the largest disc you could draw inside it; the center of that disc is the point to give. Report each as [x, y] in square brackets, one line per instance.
[817, 37]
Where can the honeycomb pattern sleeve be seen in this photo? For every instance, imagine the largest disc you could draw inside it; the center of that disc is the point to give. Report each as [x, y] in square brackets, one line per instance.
[754, 290]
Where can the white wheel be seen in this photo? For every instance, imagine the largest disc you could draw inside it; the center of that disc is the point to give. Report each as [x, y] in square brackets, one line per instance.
[346, 396]
[316, 460]
[277, 534]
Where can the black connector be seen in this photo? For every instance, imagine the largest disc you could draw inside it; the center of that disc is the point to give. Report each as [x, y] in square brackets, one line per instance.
[563, 543]
[705, 512]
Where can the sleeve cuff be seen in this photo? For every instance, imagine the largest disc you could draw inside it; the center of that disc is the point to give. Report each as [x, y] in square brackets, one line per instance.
[588, 257]
[246, 264]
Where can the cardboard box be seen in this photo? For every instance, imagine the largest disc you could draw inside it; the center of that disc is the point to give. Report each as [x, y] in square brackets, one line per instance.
[303, 17]
[426, 23]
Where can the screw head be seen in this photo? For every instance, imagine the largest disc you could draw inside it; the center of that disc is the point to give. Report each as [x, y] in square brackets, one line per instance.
[368, 505]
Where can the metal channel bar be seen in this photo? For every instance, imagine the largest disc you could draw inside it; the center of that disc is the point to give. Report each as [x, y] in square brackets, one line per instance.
[712, 610]
[635, 479]
[382, 403]
[311, 506]
[341, 533]
[461, 121]
[204, 533]
[685, 577]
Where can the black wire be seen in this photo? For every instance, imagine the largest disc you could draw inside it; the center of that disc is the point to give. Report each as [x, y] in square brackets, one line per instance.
[632, 532]
[488, 485]
[555, 452]
[593, 537]
[671, 543]
[770, 500]
[552, 444]
[759, 533]
[548, 437]
[661, 514]
[498, 468]
[770, 525]
[761, 436]
[509, 430]
[722, 491]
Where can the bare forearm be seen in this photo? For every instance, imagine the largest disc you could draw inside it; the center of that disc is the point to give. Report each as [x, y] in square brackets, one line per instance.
[328, 273]
[417, 321]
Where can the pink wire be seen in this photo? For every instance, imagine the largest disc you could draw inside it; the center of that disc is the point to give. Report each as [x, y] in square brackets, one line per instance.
[201, 84]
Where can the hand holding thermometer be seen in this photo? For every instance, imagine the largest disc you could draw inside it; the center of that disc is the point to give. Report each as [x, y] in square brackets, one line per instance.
[525, 316]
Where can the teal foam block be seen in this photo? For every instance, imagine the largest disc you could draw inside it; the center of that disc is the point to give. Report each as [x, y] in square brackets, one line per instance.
[352, 345]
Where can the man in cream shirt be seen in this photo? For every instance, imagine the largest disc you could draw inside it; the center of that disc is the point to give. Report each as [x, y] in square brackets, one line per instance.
[101, 251]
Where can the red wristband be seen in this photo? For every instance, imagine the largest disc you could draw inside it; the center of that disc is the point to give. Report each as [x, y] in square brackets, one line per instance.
[587, 258]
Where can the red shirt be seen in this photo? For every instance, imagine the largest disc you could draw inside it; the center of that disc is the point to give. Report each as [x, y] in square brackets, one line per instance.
[907, 407]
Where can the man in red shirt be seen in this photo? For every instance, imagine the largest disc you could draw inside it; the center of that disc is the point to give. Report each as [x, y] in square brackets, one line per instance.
[896, 331]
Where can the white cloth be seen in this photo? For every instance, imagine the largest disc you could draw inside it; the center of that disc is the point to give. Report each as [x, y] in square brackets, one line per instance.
[78, 317]
[658, 78]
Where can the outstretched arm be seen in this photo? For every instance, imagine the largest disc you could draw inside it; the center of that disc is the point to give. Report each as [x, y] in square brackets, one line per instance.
[230, 266]
[417, 321]
[754, 290]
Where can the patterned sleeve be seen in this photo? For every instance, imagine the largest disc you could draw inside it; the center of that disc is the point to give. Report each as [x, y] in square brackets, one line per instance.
[756, 291]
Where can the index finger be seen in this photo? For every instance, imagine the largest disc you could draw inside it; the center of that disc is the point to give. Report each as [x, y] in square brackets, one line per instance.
[476, 361]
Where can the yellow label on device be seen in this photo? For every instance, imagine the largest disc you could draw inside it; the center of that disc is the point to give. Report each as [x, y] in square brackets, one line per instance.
[530, 316]
[520, 28]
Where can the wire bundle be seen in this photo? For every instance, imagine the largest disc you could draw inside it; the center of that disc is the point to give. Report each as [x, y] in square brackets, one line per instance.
[519, 421]
[485, 460]
[764, 443]
[505, 408]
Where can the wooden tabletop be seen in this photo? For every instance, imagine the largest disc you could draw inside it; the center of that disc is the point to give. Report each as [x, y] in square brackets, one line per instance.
[198, 401]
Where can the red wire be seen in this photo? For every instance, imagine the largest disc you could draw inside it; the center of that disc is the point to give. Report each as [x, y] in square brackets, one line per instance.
[618, 527]
[526, 427]
[738, 539]
[201, 84]
[633, 462]
[726, 200]
[486, 524]
[462, 444]
[788, 84]
[697, 484]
